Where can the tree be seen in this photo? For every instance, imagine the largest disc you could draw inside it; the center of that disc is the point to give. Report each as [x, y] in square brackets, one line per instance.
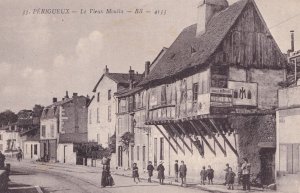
[92, 150]
[126, 139]
[37, 110]
[112, 143]
[7, 117]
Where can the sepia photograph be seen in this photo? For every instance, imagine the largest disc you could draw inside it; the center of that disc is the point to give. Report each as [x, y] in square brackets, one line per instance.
[147, 96]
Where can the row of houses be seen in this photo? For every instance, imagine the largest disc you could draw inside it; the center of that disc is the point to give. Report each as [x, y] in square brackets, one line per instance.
[216, 95]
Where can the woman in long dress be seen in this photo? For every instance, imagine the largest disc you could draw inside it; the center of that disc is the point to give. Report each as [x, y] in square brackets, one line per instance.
[106, 179]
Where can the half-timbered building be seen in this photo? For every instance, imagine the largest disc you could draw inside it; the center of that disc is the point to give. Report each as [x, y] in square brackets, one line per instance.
[213, 94]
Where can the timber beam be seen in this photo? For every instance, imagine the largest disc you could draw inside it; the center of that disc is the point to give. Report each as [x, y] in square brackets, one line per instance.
[212, 121]
[198, 145]
[178, 145]
[173, 127]
[166, 139]
[209, 130]
[203, 138]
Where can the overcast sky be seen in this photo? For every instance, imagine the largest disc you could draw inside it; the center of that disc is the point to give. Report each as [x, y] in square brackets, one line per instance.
[42, 56]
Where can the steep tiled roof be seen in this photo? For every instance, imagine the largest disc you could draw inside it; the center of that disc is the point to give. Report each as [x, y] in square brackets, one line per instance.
[127, 92]
[122, 78]
[73, 138]
[179, 56]
[32, 135]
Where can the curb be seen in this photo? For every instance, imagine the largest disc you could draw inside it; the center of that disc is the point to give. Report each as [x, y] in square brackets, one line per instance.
[38, 189]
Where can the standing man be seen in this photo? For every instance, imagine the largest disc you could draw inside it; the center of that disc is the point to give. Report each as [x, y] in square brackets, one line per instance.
[20, 154]
[150, 169]
[246, 174]
[2, 160]
[182, 173]
[226, 173]
[176, 170]
[161, 173]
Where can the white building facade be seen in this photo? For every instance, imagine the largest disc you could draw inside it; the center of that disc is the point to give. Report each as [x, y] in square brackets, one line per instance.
[288, 137]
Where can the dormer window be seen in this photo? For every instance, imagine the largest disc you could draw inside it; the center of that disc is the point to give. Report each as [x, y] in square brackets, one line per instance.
[193, 50]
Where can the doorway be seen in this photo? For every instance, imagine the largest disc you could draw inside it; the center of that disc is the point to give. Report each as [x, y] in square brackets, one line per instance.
[293, 158]
[267, 158]
[31, 151]
[120, 156]
[65, 153]
[144, 157]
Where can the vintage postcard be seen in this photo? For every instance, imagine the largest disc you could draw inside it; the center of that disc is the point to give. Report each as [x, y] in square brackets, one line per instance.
[149, 96]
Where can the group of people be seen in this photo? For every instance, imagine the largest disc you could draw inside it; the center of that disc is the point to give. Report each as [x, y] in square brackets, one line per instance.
[244, 175]
[181, 172]
[205, 174]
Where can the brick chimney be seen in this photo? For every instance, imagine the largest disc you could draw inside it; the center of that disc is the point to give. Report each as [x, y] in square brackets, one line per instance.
[131, 74]
[105, 70]
[131, 78]
[290, 51]
[75, 94]
[54, 99]
[67, 95]
[292, 41]
[206, 10]
[147, 68]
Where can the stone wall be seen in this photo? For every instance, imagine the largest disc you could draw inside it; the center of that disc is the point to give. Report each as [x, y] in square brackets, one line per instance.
[253, 130]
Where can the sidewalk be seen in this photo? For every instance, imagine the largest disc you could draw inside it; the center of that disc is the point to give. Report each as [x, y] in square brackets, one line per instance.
[22, 188]
[191, 183]
[217, 187]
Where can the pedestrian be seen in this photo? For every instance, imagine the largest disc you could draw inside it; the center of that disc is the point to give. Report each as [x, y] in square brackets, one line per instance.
[19, 154]
[203, 175]
[246, 166]
[176, 170]
[210, 174]
[226, 172]
[240, 174]
[182, 173]
[161, 173]
[150, 169]
[230, 179]
[2, 160]
[106, 179]
[135, 173]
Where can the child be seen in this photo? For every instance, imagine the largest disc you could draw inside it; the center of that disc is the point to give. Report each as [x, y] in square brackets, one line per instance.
[230, 179]
[150, 169]
[135, 173]
[210, 175]
[203, 175]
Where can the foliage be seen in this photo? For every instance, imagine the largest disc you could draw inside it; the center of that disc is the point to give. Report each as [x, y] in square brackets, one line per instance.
[112, 143]
[7, 117]
[37, 110]
[126, 139]
[92, 150]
